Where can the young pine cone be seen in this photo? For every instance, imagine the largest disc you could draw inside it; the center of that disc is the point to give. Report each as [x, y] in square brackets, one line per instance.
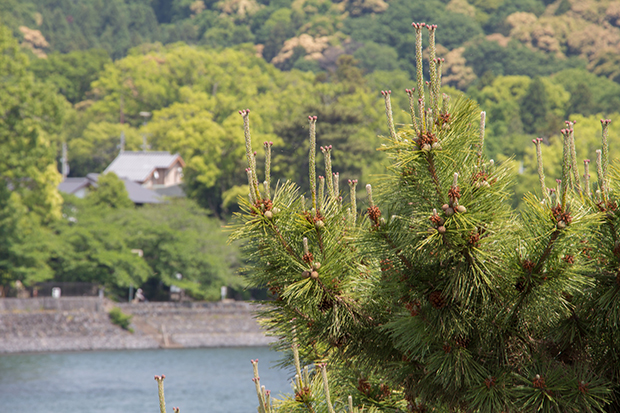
[436, 299]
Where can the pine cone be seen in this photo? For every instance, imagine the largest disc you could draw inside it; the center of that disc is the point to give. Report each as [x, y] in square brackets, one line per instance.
[617, 250]
[386, 265]
[539, 382]
[436, 219]
[426, 138]
[480, 176]
[561, 216]
[308, 258]
[528, 265]
[520, 285]
[569, 259]
[374, 214]
[461, 341]
[443, 119]
[363, 386]
[303, 395]
[490, 382]
[474, 238]
[417, 407]
[264, 205]
[454, 192]
[436, 299]
[385, 390]
[414, 308]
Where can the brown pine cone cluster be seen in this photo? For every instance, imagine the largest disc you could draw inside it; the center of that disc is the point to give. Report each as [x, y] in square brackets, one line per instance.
[308, 258]
[563, 218]
[374, 214]
[426, 138]
[436, 299]
[539, 382]
[528, 265]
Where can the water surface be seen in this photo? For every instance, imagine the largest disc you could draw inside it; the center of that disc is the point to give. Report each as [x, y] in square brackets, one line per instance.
[197, 380]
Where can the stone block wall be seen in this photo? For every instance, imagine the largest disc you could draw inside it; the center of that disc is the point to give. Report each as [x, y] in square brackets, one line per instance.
[82, 323]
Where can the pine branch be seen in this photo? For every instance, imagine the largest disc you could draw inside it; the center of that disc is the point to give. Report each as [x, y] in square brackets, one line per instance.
[433, 173]
[543, 258]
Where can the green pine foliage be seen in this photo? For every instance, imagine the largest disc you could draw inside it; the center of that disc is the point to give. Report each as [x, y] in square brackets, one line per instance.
[437, 295]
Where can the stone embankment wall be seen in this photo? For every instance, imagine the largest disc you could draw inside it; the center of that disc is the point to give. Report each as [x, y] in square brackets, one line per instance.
[82, 323]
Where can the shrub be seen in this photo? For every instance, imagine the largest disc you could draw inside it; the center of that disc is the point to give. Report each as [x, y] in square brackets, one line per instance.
[120, 319]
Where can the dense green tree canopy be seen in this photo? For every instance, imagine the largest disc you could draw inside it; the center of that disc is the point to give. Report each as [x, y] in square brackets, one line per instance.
[110, 192]
[118, 247]
[72, 73]
[533, 33]
[30, 117]
[194, 95]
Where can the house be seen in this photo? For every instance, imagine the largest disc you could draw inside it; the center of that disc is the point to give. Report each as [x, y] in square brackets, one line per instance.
[138, 194]
[153, 170]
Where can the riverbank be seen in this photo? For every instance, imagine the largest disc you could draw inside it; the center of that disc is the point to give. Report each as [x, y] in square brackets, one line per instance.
[82, 323]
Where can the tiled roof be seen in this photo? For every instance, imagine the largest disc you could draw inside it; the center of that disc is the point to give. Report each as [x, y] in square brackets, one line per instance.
[138, 166]
[173, 191]
[71, 185]
[137, 193]
[141, 195]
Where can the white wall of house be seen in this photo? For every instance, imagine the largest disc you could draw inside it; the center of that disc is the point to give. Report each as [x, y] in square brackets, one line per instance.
[163, 177]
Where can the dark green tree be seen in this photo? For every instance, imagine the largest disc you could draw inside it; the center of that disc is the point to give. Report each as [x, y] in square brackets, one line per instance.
[563, 7]
[183, 246]
[605, 93]
[516, 59]
[580, 100]
[534, 107]
[71, 73]
[298, 54]
[113, 25]
[345, 128]
[497, 20]
[25, 245]
[275, 31]
[373, 56]
[225, 33]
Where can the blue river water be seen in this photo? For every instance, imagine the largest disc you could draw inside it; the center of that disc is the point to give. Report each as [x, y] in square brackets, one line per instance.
[215, 380]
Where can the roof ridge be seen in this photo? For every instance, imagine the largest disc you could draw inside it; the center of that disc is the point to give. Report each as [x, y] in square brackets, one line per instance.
[146, 153]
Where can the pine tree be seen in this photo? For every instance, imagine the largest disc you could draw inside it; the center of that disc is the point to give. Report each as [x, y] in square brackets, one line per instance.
[580, 100]
[534, 107]
[438, 296]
